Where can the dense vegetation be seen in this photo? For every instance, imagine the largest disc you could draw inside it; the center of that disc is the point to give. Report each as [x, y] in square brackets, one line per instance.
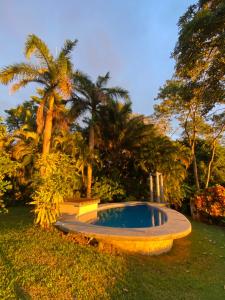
[76, 137]
[54, 157]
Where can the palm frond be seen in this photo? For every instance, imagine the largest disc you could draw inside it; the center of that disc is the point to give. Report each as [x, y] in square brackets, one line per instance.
[64, 76]
[82, 80]
[68, 47]
[21, 71]
[16, 86]
[20, 150]
[64, 66]
[103, 80]
[118, 93]
[78, 107]
[34, 45]
[26, 134]
[22, 83]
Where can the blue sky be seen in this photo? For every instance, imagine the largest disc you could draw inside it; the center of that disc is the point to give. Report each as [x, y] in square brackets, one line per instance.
[133, 39]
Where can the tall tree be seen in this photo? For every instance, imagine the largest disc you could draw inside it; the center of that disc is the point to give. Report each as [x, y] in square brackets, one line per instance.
[178, 100]
[200, 50]
[90, 96]
[53, 74]
[199, 55]
[214, 138]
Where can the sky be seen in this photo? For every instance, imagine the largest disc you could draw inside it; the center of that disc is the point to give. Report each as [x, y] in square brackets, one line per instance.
[132, 39]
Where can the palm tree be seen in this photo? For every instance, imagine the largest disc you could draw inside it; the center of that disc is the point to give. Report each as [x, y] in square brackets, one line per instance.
[24, 114]
[121, 135]
[130, 147]
[121, 131]
[90, 96]
[53, 74]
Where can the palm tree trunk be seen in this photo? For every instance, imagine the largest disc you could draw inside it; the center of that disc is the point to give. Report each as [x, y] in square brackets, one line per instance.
[48, 127]
[89, 169]
[210, 165]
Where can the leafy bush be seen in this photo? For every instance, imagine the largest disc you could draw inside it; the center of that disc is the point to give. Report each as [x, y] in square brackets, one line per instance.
[211, 201]
[7, 169]
[107, 190]
[4, 186]
[56, 178]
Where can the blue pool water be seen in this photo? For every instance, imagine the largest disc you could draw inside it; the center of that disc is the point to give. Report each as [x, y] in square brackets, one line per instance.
[137, 216]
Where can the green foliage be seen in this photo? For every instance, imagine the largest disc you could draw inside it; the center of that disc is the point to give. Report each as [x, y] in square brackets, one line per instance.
[120, 132]
[7, 170]
[199, 52]
[203, 155]
[8, 167]
[57, 177]
[3, 135]
[91, 96]
[22, 115]
[197, 86]
[4, 186]
[131, 147]
[107, 190]
[172, 160]
[119, 147]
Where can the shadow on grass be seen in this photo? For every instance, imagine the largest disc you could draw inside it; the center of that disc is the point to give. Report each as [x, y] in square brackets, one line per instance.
[18, 290]
[17, 218]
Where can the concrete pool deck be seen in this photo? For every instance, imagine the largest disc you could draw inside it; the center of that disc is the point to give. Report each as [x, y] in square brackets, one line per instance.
[148, 240]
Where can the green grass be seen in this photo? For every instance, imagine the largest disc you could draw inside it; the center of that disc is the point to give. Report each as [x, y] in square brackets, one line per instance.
[38, 264]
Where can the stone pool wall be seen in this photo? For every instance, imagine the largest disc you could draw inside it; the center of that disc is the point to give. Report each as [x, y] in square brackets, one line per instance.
[147, 240]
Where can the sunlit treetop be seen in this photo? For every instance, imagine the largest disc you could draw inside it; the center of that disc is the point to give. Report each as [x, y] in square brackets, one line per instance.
[200, 49]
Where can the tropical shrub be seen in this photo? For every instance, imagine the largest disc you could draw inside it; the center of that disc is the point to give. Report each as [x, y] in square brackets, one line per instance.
[7, 169]
[7, 166]
[172, 160]
[57, 177]
[107, 190]
[211, 202]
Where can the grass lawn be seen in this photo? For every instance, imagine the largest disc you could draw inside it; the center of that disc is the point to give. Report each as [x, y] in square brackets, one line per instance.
[37, 264]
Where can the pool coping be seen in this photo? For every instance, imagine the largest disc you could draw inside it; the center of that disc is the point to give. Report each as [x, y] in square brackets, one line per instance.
[82, 202]
[177, 225]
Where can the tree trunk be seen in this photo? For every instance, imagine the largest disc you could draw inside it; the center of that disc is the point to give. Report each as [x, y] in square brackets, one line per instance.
[48, 127]
[210, 165]
[195, 169]
[89, 169]
[193, 210]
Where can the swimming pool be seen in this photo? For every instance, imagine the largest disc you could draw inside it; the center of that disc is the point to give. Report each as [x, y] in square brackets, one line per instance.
[140, 227]
[137, 216]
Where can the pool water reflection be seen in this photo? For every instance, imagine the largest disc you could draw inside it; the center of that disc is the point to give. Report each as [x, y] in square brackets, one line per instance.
[135, 216]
